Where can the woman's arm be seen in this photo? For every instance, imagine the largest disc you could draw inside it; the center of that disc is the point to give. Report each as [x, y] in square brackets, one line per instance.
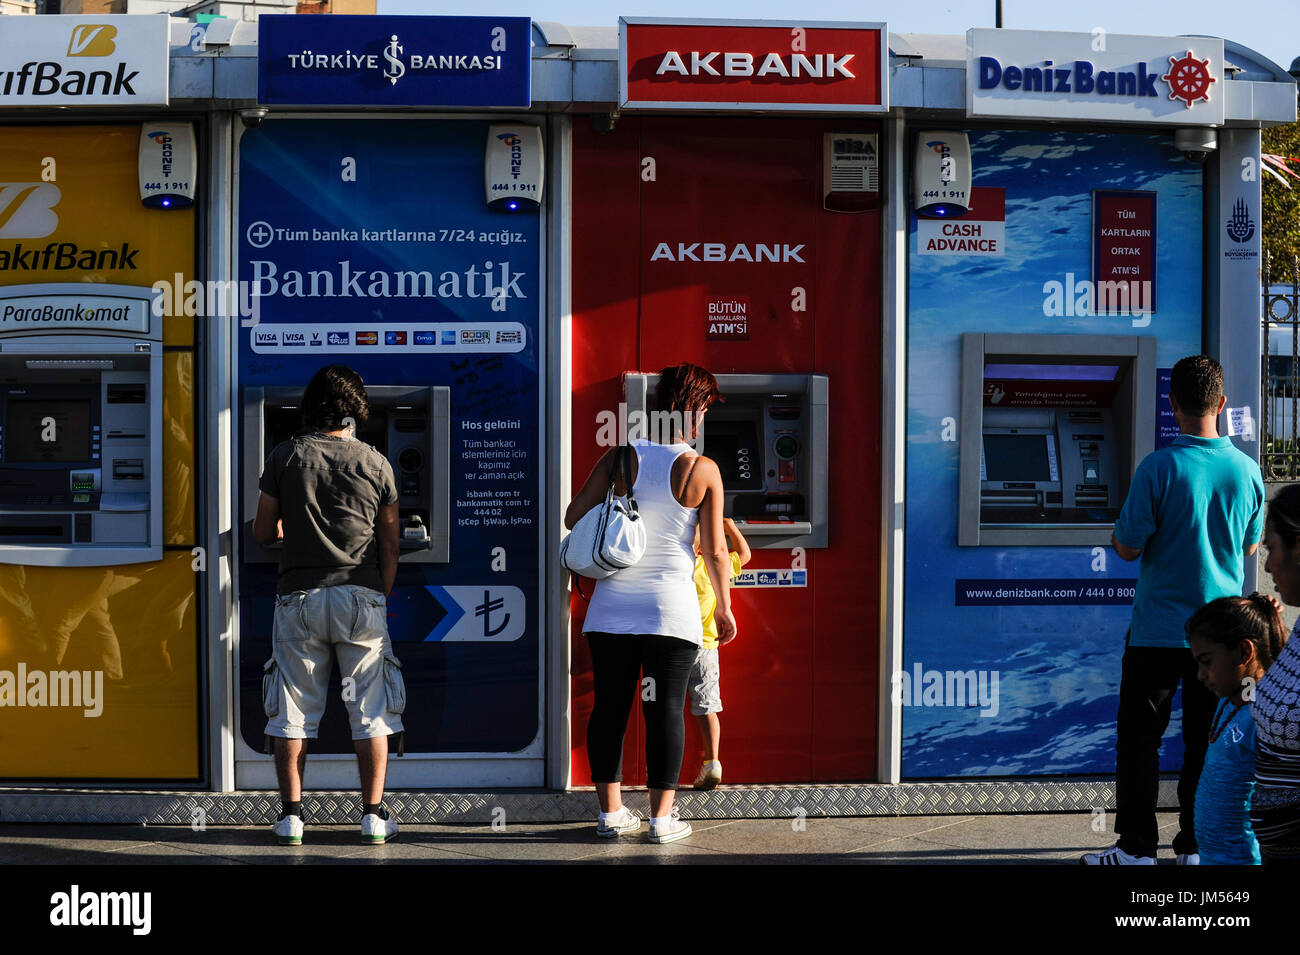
[713, 545]
[593, 491]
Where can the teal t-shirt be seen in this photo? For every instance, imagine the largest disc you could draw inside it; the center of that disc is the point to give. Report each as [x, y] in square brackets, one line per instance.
[1192, 508]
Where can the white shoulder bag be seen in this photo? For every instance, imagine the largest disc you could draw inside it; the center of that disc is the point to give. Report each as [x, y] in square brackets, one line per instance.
[608, 537]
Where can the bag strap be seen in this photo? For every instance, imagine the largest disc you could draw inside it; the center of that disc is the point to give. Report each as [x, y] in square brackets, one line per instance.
[577, 585]
[621, 467]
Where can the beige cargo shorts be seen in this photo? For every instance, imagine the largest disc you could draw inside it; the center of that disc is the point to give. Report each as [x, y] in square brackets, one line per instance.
[311, 626]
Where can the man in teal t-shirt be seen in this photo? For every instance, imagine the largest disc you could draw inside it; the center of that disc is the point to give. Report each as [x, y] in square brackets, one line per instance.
[1194, 513]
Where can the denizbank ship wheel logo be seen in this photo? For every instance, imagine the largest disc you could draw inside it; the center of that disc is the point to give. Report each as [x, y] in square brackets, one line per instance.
[1189, 79]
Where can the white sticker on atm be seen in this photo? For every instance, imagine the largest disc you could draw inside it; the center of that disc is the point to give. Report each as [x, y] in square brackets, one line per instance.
[486, 614]
[770, 578]
[1241, 423]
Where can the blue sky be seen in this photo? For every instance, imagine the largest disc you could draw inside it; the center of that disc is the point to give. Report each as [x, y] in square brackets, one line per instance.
[1271, 27]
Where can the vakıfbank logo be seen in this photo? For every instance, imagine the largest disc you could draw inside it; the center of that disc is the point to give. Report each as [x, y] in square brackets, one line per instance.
[27, 209]
[92, 39]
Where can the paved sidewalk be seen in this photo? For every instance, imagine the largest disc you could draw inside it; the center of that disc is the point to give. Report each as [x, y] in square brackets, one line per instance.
[1038, 839]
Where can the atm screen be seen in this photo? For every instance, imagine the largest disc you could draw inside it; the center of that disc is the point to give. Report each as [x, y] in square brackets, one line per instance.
[32, 438]
[734, 446]
[1016, 457]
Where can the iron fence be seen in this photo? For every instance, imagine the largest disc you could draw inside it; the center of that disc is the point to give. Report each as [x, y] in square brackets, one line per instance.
[1280, 372]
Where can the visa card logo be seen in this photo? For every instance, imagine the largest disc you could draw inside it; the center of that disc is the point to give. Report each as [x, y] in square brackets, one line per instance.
[316, 339]
[294, 338]
[266, 338]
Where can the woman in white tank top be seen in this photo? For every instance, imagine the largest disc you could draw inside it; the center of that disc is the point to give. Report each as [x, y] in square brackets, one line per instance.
[644, 624]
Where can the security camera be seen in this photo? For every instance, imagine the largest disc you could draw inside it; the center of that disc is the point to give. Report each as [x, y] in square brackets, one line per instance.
[252, 118]
[1196, 144]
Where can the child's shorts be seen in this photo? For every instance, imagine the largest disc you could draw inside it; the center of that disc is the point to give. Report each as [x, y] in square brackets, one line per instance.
[311, 626]
[702, 686]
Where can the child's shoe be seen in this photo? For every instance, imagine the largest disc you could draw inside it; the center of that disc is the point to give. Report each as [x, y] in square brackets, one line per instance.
[710, 775]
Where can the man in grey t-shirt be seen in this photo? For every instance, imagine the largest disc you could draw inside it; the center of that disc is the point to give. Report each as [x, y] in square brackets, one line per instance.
[332, 500]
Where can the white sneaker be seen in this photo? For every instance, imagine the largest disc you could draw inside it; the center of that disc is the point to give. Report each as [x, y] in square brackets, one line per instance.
[710, 775]
[376, 831]
[1114, 856]
[619, 823]
[1188, 858]
[288, 830]
[672, 830]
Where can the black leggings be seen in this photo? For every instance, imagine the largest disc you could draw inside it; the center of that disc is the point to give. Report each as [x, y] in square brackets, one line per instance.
[618, 661]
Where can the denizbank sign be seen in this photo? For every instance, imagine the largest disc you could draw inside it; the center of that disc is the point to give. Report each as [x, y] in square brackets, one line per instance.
[84, 61]
[1027, 74]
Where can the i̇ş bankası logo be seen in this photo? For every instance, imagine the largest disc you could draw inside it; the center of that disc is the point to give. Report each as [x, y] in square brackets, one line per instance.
[393, 67]
[1188, 79]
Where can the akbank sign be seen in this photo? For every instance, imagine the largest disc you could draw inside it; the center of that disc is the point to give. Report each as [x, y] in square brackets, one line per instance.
[84, 61]
[394, 61]
[1026, 74]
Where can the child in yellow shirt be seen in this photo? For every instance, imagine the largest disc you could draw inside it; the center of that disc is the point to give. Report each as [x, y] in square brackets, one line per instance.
[702, 687]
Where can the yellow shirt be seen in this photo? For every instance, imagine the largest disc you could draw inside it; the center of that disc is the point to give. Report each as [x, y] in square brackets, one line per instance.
[708, 599]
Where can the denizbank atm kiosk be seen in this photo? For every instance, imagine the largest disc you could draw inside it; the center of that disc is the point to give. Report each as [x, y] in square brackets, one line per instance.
[1052, 427]
[80, 426]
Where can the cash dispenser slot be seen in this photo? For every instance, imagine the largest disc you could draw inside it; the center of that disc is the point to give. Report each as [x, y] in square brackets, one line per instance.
[1052, 428]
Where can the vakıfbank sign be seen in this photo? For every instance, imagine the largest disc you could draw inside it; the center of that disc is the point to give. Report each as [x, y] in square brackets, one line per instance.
[1028, 74]
[84, 61]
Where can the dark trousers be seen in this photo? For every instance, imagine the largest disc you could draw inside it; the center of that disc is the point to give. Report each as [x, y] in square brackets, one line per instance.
[618, 661]
[1150, 675]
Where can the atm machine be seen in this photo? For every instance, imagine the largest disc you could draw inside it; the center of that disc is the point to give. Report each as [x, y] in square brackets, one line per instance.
[80, 426]
[409, 425]
[769, 439]
[1052, 428]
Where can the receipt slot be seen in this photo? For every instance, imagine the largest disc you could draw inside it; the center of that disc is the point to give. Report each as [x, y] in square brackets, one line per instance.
[408, 425]
[769, 439]
[80, 426]
[1052, 427]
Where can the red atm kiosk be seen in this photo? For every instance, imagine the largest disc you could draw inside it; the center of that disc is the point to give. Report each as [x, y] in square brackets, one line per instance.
[751, 246]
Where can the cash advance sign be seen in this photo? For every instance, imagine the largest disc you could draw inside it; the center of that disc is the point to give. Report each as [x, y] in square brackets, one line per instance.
[1027, 74]
[84, 61]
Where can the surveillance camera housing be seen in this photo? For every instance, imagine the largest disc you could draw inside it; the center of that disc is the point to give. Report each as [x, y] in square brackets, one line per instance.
[252, 118]
[1196, 144]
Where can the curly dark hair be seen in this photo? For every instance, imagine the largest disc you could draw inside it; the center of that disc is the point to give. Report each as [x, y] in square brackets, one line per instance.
[1284, 516]
[1228, 621]
[1196, 384]
[334, 393]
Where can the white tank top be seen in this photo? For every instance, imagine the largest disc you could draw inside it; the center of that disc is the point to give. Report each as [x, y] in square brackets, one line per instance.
[656, 594]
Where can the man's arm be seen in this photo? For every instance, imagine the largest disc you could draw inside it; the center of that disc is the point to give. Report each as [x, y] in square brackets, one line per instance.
[266, 525]
[1125, 552]
[387, 533]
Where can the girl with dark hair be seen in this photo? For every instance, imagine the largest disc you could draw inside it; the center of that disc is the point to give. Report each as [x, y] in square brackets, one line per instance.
[1233, 640]
[1275, 810]
[643, 625]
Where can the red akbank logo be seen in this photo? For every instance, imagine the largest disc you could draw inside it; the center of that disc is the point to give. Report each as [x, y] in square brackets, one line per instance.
[788, 65]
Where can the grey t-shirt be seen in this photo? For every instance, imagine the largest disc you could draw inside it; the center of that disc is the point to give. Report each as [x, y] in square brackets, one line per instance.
[330, 491]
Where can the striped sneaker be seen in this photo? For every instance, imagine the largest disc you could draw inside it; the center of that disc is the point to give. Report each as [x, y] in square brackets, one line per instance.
[1114, 856]
[288, 830]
